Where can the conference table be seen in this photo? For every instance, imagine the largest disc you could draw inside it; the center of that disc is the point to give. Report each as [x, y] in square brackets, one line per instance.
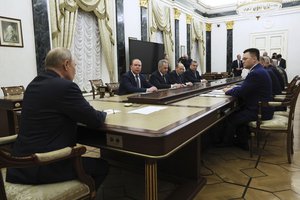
[162, 128]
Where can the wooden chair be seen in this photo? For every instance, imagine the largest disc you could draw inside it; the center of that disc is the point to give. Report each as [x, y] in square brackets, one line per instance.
[96, 85]
[10, 91]
[112, 88]
[208, 76]
[81, 188]
[13, 90]
[278, 124]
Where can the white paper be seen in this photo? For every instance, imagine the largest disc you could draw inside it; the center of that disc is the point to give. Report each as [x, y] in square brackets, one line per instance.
[217, 92]
[111, 111]
[148, 110]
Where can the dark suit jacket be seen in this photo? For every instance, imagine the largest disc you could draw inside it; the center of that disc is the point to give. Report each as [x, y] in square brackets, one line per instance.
[189, 76]
[128, 84]
[51, 108]
[256, 87]
[176, 78]
[282, 63]
[157, 80]
[276, 88]
[234, 67]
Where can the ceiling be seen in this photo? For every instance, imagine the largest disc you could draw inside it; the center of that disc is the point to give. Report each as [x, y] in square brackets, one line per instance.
[214, 6]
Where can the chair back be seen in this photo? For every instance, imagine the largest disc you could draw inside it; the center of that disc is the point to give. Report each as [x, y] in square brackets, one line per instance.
[292, 84]
[96, 84]
[13, 90]
[112, 88]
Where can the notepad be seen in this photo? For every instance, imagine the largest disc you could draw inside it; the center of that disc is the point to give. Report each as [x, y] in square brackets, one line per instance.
[148, 110]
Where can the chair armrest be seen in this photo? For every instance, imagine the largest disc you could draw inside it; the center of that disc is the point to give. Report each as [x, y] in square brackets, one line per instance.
[8, 139]
[60, 154]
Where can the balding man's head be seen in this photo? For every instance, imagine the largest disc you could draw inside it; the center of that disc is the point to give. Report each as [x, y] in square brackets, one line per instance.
[60, 60]
[57, 56]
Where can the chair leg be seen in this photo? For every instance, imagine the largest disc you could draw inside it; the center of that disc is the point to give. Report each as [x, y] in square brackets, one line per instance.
[292, 142]
[252, 135]
[289, 146]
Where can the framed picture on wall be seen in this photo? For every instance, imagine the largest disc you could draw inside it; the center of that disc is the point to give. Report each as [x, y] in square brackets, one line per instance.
[10, 32]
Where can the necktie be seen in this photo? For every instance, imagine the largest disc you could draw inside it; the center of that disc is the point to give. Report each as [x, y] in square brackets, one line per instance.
[137, 79]
[164, 77]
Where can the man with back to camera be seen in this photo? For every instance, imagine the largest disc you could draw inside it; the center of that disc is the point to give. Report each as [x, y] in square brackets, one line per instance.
[160, 77]
[256, 87]
[133, 81]
[52, 106]
[176, 76]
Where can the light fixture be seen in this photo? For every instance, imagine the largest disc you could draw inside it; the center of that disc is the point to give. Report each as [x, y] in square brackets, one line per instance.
[257, 7]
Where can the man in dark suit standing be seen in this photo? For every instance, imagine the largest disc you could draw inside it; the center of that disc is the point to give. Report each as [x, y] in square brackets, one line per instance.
[256, 87]
[176, 76]
[281, 61]
[132, 81]
[160, 77]
[192, 75]
[52, 106]
[185, 60]
[237, 66]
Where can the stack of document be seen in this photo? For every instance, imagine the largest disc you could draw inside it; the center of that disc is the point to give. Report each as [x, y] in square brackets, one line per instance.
[214, 93]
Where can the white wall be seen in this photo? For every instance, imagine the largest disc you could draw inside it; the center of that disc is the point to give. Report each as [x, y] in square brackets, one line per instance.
[18, 65]
[290, 22]
[218, 47]
[182, 33]
[132, 24]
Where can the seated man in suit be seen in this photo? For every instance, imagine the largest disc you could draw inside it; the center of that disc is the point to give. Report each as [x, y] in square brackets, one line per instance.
[256, 87]
[52, 106]
[266, 62]
[176, 76]
[192, 75]
[237, 66]
[160, 78]
[132, 81]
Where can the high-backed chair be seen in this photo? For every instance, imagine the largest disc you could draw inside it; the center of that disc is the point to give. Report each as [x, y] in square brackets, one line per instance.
[112, 88]
[10, 91]
[13, 90]
[81, 188]
[278, 124]
[96, 84]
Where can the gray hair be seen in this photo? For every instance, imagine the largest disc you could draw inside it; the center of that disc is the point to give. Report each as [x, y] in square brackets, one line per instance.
[56, 56]
[267, 60]
[162, 62]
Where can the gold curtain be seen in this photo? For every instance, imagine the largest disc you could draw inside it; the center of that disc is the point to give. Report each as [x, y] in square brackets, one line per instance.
[161, 21]
[63, 14]
[197, 36]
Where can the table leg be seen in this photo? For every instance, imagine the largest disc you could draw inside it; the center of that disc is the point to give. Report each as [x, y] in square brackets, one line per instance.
[151, 192]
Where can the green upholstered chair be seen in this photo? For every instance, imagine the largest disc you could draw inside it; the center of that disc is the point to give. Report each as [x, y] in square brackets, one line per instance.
[81, 188]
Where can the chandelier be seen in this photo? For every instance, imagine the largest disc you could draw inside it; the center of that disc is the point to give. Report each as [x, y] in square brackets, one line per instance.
[257, 7]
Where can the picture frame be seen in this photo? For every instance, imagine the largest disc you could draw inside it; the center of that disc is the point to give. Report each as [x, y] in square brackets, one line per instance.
[11, 32]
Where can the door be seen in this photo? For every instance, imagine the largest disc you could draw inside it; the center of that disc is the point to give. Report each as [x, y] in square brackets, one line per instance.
[270, 42]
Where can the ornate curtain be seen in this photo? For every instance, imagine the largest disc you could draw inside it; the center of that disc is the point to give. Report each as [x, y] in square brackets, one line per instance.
[161, 21]
[197, 38]
[87, 50]
[63, 15]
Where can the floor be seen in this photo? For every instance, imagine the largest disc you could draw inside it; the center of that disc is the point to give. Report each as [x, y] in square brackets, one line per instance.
[230, 174]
